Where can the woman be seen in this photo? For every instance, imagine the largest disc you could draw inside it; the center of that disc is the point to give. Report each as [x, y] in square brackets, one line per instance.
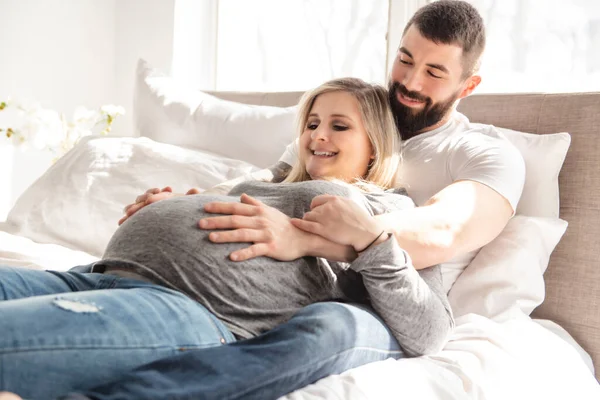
[162, 287]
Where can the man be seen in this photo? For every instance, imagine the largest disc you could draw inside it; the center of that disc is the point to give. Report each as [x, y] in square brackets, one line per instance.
[467, 181]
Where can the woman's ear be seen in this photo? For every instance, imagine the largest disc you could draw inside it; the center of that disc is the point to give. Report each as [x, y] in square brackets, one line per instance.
[372, 158]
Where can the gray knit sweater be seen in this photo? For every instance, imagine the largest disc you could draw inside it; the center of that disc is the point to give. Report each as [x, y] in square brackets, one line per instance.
[162, 243]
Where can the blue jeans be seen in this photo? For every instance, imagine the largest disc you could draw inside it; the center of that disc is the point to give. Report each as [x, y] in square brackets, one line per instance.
[321, 339]
[65, 331]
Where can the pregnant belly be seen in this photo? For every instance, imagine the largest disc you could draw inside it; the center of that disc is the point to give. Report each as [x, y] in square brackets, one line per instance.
[164, 244]
[167, 230]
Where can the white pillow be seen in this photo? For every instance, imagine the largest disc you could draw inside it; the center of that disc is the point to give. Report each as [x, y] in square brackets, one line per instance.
[506, 277]
[544, 156]
[78, 201]
[170, 112]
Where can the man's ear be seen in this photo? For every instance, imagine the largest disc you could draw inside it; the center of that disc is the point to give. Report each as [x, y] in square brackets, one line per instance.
[471, 83]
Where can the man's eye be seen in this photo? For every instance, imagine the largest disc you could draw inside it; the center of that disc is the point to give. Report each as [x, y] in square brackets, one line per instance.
[433, 75]
[404, 62]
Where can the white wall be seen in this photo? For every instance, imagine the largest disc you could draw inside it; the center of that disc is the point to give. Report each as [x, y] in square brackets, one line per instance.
[59, 53]
[65, 53]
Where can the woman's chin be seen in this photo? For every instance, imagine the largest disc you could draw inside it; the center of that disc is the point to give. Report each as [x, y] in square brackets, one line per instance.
[316, 173]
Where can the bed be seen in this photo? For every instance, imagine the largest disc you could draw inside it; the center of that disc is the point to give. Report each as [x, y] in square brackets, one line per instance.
[527, 307]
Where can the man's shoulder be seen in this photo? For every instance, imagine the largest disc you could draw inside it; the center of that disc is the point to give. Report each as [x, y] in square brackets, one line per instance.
[462, 124]
[460, 135]
[457, 127]
[471, 134]
[484, 142]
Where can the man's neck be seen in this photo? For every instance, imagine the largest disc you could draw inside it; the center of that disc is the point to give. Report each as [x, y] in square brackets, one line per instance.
[433, 127]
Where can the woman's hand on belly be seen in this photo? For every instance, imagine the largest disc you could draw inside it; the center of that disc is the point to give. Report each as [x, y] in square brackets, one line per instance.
[152, 196]
[252, 221]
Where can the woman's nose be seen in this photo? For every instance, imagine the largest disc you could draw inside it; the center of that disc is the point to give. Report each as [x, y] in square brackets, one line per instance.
[320, 134]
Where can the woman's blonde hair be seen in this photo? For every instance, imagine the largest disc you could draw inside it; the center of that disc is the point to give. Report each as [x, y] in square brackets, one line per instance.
[378, 121]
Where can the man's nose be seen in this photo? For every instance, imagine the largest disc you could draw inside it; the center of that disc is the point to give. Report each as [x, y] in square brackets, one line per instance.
[412, 81]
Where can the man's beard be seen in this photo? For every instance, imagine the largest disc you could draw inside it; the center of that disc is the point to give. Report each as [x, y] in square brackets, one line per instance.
[409, 122]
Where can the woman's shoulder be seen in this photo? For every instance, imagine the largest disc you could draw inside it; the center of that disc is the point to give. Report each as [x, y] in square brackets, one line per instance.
[379, 200]
[305, 190]
[395, 199]
[319, 187]
[252, 187]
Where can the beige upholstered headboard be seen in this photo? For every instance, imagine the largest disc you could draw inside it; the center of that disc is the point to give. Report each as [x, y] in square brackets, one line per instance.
[573, 276]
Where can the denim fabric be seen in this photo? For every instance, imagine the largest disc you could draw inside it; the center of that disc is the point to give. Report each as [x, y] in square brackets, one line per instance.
[322, 339]
[65, 331]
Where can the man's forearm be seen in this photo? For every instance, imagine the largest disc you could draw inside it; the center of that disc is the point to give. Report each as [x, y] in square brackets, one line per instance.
[421, 232]
[425, 233]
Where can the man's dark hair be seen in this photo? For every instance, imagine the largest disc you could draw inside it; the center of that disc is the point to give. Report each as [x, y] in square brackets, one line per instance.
[453, 22]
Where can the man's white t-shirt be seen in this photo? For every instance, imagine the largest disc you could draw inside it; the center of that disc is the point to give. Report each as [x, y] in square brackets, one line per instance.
[453, 152]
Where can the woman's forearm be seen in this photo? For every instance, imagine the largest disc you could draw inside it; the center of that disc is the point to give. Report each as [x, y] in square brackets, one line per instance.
[318, 246]
[412, 303]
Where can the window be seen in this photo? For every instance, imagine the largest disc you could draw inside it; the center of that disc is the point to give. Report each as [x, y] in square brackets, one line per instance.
[540, 45]
[274, 45]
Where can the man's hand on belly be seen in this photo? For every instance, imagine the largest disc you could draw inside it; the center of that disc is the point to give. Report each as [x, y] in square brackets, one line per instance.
[341, 220]
[252, 221]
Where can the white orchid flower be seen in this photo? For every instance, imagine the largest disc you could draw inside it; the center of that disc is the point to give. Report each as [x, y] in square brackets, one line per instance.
[112, 110]
[85, 119]
[41, 128]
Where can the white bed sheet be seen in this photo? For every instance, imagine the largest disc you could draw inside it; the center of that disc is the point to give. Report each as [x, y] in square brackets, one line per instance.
[483, 360]
[19, 251]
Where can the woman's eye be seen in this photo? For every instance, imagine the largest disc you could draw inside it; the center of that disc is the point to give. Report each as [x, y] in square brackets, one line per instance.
[312, 126]
[340, 127]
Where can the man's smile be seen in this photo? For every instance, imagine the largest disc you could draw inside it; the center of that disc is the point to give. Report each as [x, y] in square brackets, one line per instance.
[408, 101]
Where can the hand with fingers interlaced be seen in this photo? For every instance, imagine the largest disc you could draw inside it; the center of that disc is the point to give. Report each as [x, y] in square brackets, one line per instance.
[152, 196]
[252, 221]
[341, 220]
